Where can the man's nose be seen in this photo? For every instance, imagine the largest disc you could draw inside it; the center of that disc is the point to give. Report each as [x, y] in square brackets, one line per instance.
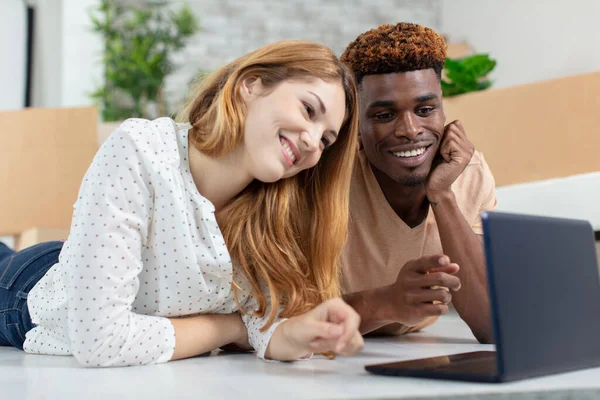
[409, 127]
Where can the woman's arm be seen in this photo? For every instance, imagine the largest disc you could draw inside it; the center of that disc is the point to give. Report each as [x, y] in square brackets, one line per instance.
[202, 333]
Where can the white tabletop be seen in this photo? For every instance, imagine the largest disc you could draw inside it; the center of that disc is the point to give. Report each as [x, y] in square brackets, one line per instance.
[240, 376]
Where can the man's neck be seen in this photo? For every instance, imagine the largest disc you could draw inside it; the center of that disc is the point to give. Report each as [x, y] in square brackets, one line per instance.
[408, 202]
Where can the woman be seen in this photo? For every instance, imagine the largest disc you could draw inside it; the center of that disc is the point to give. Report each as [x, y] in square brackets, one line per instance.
[260, 175]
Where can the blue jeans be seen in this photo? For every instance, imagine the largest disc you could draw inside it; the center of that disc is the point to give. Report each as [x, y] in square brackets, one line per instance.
[19, 272]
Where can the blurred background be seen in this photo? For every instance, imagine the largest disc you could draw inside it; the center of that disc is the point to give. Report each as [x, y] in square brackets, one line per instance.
[530, 40]
[522, 75]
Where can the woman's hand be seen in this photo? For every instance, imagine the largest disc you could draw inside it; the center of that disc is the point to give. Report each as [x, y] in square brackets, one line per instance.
[331, 327]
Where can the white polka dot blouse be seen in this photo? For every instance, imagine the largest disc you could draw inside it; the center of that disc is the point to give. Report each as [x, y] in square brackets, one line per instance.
[144, 245]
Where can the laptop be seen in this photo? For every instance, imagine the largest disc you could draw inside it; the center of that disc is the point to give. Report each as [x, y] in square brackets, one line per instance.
[544, 286]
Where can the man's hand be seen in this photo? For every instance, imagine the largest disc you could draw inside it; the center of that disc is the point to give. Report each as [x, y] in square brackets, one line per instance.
[455, 152]
[331, 327]
[422, 290]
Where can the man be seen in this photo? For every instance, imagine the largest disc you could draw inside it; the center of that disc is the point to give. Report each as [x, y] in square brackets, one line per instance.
[418, 189]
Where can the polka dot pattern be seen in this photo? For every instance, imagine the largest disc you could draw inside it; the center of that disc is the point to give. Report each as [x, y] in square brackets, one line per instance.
[144, 245]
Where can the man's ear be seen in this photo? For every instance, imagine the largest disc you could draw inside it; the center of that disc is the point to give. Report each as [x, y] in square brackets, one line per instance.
[250, 87]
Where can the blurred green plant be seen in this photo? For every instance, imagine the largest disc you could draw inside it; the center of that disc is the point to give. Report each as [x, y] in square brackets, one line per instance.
[139, 43]
[468, 74]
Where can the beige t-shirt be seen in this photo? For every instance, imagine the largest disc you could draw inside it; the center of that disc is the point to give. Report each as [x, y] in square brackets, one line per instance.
[380, 243]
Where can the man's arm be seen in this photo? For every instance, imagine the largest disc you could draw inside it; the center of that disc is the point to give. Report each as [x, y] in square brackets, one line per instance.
[465, 248]
[457, 237]
[372, 307]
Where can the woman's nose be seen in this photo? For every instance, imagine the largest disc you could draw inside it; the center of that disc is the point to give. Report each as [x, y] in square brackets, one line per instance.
[310, 141]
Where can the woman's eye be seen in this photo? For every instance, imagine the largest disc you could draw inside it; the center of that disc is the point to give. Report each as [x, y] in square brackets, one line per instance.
[309, 110]
[325, 142]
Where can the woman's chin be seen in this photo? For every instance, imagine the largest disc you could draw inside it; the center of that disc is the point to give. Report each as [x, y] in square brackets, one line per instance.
[273, 175]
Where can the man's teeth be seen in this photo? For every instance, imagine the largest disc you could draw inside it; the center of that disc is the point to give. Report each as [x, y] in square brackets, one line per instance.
[410, 153]
[288, 150]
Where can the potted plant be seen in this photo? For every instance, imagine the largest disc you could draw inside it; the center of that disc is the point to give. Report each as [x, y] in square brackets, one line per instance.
[467, 74]
[139, 42]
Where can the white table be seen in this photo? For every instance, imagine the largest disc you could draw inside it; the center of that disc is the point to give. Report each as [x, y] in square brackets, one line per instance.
[240, 376]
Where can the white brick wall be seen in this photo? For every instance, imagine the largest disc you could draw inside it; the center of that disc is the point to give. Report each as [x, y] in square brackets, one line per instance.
[234, 27]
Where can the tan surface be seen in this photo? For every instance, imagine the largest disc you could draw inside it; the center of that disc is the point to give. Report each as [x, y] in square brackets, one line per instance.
[43, 157]
[38, 235]
[536, 131]
[105, 129]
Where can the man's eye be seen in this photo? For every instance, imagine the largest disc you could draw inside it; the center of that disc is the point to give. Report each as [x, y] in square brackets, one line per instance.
[425, 110]
[309, 110]
[384, 116]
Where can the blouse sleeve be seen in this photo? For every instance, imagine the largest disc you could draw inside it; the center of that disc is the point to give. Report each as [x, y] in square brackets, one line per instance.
[103, 258]
[259, 340]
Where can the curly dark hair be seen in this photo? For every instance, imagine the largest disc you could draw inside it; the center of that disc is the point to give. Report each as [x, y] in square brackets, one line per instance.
[395, 48]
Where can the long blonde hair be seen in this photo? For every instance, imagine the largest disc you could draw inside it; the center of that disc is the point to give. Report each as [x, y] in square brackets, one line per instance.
[287, 235]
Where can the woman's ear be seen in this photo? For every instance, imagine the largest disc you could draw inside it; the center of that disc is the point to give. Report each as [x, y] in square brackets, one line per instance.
[250, 87]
